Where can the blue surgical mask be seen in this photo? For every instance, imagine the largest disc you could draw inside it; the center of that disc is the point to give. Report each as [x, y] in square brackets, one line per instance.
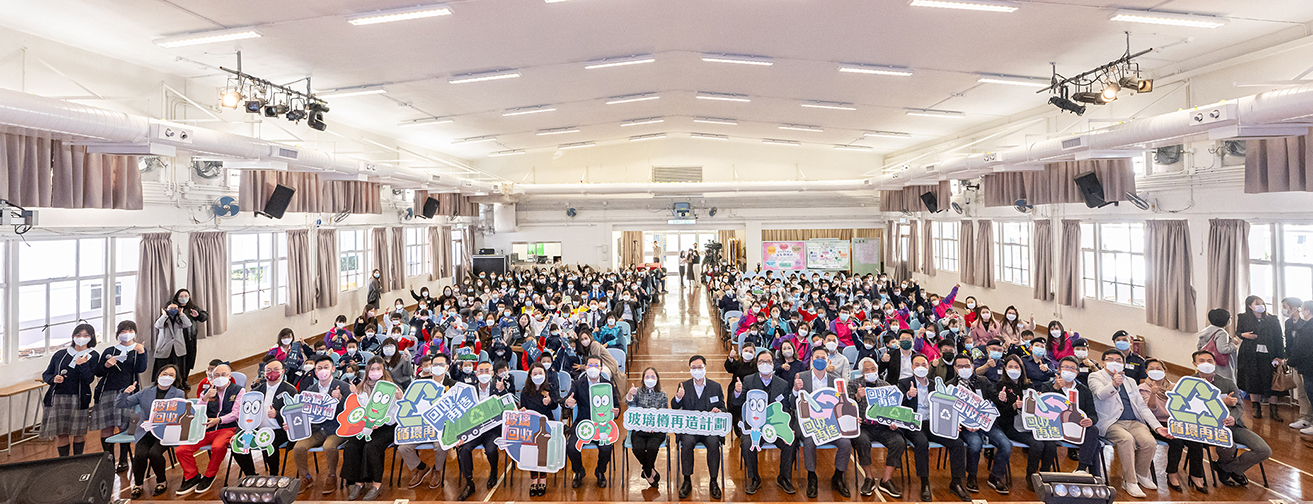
[995, 354]
[818, 364]
[1122, 345]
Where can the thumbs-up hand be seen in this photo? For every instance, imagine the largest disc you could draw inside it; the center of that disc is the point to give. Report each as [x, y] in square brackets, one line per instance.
[679, 392]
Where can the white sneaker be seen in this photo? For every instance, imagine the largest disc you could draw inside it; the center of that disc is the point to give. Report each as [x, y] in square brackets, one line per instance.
[1133, 490]
[1301, 424]
[1147, 483]
[1081, 471]
[1307, 430]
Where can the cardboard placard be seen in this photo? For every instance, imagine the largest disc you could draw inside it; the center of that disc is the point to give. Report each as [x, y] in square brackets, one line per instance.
[600, 426]
[763, 419]
[483, 417]
[1197, 413]
[1053, 417]
[362, 415]
[421, 397]
[177, 422]
[250, 435]
[884, 405]
[533, 441]
[826, 414]
[697, 423]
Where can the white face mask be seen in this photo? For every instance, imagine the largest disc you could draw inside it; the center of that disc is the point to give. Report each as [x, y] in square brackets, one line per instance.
[593, 373]
[831, 346]
[389, 350]
[921, 372]
[698, 373]
[971, 306]
[1260, 308]
[1206, 367]
[127, 336]
[220, 381]
[1014, 373]
[81, 341]
[1068, 376]
[747, 355]
[1114, 367]
[650, 382]
[1082, 354]
[538, 379]
[871, 377]
[1011, 316]
[287, 341]
[802, 333]
[439, 369]
[485, 378]
[964, 373]
[165, 380]
[765, 369]
[1156, 374]
[341, 325]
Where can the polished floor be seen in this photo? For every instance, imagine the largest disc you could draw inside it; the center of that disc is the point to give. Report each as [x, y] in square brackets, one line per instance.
[682, 326]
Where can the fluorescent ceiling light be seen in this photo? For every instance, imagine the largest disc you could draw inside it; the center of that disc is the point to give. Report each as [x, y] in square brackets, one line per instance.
[709, 136]
[829, 105]
[514, 152]
[740, 59]
[483, 76]
[1014, 80]
[207, 37]
[576, 145]
[716, 120]
[652, 136]
[774, 141]
[861, 148]
[1168, 18]
[952, 114]
[474, 140]
[887, 134]
[558, 131]
[555, 1]
[353, 91]
[637, 59]
[536, 109]
[425, 122]
[976, 5]
[403, 14]
[648, 120]
[862, 68]
[637, 97]
[742, 98]
[801, 127]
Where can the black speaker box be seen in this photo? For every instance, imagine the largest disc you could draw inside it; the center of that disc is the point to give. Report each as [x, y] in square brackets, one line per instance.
[1091, 189]
[278, 201]
[80, 479]
[930, 201]
[430, 207]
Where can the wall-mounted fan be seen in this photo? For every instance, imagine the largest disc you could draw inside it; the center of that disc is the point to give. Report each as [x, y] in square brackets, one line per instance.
[207, 169]
[1141, 202]
[1023, 206]
[226, 207]
[408, 214]
[570, 212]
[1168, 155]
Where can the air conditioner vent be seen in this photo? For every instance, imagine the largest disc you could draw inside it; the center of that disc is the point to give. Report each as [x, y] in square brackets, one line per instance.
[676, 173]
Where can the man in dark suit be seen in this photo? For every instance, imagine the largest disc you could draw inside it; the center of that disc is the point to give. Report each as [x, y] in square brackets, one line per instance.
[1063, 383]
[777, 390]
[699, 394]
[817, 378]
[579, 394]
[897, 364]
[324, 433]
[916, 395]
[273, 387]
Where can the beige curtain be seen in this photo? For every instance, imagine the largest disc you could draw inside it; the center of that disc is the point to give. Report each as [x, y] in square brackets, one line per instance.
[256, 186]
[444, 234]
[1043, 252]
[300, 276]
[909, 198]
[155, 283]
[208, 278]
[985, 253]
[455, 205]
[913, 248]
[352, 196]
[46, 173]
[1070, 277]
[928, 249]
[631, 247]
[467, 252]
[380, 258]
[868, 233]
[326, 281]
[1169, 297]
[398, 250]
[805, 234]
[966, 251]
[1278, 165]
[435, 252]
[1228, 263]
[890, 265]
[1056, 183]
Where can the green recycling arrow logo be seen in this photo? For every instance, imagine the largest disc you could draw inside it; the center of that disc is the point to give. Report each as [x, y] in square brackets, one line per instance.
[1196, 401]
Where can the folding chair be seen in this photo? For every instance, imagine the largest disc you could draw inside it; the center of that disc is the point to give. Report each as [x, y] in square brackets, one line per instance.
[628, 445]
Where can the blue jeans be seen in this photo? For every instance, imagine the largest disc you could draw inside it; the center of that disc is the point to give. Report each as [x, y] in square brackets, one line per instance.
[975, 440]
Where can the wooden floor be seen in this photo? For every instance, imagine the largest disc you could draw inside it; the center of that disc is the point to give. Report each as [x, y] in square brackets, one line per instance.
[683, 326]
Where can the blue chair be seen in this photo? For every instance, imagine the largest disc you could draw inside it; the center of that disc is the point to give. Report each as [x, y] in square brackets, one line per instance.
[619, 356]
[519, 378]
[700, 446]
[628, 445]
[850, 353]
[366, 355]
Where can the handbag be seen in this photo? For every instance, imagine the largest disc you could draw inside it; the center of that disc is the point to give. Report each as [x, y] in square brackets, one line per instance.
[1223, 360]
[1283, 378]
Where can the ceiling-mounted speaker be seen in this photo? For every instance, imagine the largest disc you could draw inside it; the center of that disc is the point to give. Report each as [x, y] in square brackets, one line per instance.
[430, 207]
[278, 201]
[1091, 190]
[931, 202]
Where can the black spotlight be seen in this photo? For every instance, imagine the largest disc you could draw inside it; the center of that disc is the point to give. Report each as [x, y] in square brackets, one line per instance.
[295, 115]
[316, 120]
[254, 105]
[262, 489]
[317, 107]
[1063, 488]
[1090, 97]
[275, 110]
[1068, 105]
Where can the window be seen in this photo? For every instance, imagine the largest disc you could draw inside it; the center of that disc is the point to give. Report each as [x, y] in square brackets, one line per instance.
[457, 248]
[1113, 255]
[1281, 261]
[945, 245]
[62, 283]
[353, 253]
[127, 258]
[418, 259]
[257, 270]
[904, 235]
[1013, 261]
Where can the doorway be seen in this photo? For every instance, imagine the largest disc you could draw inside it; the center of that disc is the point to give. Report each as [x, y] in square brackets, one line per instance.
[673, 242]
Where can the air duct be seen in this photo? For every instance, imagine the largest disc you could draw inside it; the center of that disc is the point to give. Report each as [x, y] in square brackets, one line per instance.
[697, 187]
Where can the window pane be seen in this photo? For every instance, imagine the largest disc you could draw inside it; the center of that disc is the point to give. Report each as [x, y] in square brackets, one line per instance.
[125, 295]
[1260, 242]
[242, 247]
[1261, 281]
[1136, 232]
[1298, 244]
[127, 254]
[1086, 236]
[1298, 282]
[91, 258]
[41, 260]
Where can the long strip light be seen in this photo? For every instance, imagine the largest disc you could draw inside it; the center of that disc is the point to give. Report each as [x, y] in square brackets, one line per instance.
[353, 91]
[558, 131]
[635, 59]
[863, 68]
[427, 121]
[474, 140]
[802, 127]
[975, 5]
[859, 148]
[536, 109]
[646, 120]
[709, 136]
[887, 134]
[652, 136]
[630, 98]
[1168, 18]
[775, 141]
[924, 112]
[513, 152]
[483, 76]
[402, 14]
[576, 145]
[716, 120]
[830, 105]
[739, 59]
[742, 98]
[207, 37]
[1013, 80]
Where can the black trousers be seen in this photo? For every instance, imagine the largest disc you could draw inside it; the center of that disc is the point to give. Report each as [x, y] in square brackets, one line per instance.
[465, 453]
[686, 444]
[646, 447]
[247, 462]
[893, 442]
[577, 457]
[1043, 455]
[787, 452]
[920, 441]
[1194, 455]
[149, 451]
[362, 461]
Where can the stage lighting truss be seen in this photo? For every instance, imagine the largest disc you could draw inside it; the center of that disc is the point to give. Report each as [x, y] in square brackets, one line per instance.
[1100, 85]
[260, 96]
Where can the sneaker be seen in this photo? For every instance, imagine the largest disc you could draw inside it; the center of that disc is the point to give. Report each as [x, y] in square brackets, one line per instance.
[999, 485]
[188, 485]
[1147, 483]
[1301, 424]
[890, 488]
[1307, 430]
[205, 484]
[1081, 471]
[1133, 490]
[868, 487]
[972, 485]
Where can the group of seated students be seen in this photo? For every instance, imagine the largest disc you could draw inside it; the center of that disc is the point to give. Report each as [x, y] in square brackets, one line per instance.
[791, 332]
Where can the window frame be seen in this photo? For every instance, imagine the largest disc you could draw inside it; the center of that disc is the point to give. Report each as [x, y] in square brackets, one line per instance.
[361, 251]
[1093, 250]
[107, 312]
[1013, 261]
[277, 267]
[419, 252]
[1278, 264]
[945, 243]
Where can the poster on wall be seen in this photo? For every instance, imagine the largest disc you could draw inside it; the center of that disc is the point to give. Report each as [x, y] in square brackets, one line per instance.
[829, 254]
[868, 256]
[783, 255]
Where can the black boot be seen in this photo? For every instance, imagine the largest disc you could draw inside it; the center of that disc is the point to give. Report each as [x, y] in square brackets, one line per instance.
[956, 487]
[839, 483]
[1273, 413]
[1258, 411]
[466, 492]
[925, 490]
[811, 484]
[685, 488]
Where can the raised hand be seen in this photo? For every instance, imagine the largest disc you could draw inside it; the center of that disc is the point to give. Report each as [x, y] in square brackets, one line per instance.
[679, 392]
[132, 387]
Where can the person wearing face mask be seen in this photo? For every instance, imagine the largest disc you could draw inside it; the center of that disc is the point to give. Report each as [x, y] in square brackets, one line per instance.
[1058, 342]
[149, 452]
[872, 432]
[986, 327]
[362, 460]
[1007, 397]
[614, 333]
[777, 391]
[587, 347]
[844, 326]
[399, 307]
[337, 336]
[273, 386]
[896, 364]
[1154, 391]
[69, 374]
[188, 309]
[870, 345]
[1064, 383]
[1126, 421]
[647, 444]
[1012, 325]
[400, 365]
[1290, 309]
[815, 379]
[990, 363]
[916, 395]
[741, 364]
[1081, 351]
[581, 387]
[1121, 340]
[291, 353]
[221, 412]
[1231, 463]
[1301, 354]
[375, 287]
[971, 314]
[964, 376]
[1039, 365]
[539, 395]
[118, 367]
[351, 357]
[432, 367]
[698, 394]
[171, 340]
[423, 299]
[486, 385]
[1261, 345]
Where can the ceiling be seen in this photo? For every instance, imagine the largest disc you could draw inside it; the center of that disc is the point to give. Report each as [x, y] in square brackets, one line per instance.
[549, 43]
